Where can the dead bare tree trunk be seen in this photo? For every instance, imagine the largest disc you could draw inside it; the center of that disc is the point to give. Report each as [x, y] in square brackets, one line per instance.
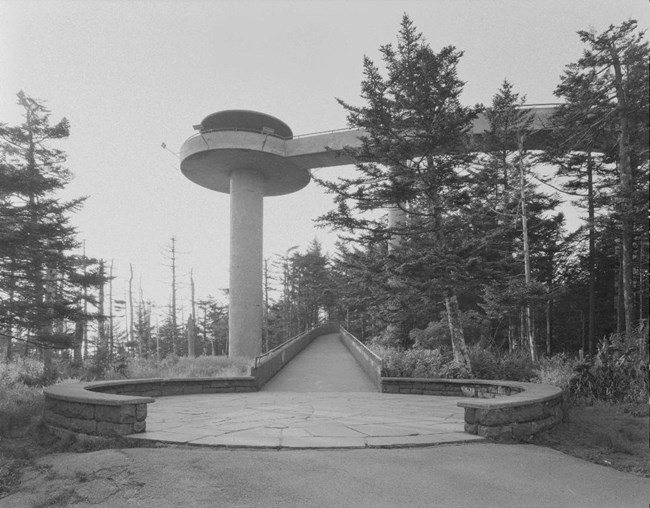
[78, 341]
[49, 295]
[620, 314]
[84, 332]
[173, 307]
[549, 336]
[191, 322]
[111, 326]
[101, 330]
[524, 226]
[130, 328]
[461, 355]
[6, 331]
[626, 191]
[592, 253]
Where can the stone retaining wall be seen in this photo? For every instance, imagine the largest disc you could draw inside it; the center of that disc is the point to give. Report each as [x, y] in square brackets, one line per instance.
[118, 408]
[175, 386]
[527, 409]
[515, 422]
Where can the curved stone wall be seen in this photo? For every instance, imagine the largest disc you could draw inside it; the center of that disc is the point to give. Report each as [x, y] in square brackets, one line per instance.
[119, 408]
[526, 409]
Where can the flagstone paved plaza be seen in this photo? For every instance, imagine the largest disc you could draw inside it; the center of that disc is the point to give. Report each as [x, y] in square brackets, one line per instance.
[321, 399]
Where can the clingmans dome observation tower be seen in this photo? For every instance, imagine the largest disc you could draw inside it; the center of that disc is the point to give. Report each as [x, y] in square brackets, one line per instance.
[250, 155]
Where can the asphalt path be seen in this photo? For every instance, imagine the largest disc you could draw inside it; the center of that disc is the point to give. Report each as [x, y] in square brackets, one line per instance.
[472, 475]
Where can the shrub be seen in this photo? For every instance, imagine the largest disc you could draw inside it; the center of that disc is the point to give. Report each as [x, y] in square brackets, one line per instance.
[490, 363]
[556, 370]
[424, 363]
[436, 335]
[174, 366]
[487, 363]
[19, 405]
[21, 398]
[617, 373]
[98, 365]
[28, 371]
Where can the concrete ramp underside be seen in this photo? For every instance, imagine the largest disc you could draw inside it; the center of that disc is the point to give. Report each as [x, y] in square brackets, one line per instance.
[325, 365]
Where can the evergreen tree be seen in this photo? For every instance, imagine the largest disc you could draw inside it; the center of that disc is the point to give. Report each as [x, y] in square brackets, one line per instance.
[307, 293]
[516, 218]
[608, 94]
[143, 330]
[35, 233]
[312, 284]
[212, 325]
[415, 145]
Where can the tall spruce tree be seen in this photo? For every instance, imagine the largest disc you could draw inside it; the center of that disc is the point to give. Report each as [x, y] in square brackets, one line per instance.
[581, 146]
[515, 211]
[35, 233]
[608, 88]
[415, 143]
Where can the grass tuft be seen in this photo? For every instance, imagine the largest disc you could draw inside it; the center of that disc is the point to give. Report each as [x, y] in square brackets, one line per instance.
[174, 366]
[556, 370]
[20, 404]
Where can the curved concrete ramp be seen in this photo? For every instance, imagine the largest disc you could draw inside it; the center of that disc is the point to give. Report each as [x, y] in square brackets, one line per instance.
[325, 365]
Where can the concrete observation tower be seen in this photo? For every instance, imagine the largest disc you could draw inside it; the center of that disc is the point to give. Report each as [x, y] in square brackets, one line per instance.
[242, 153]
[250, 155]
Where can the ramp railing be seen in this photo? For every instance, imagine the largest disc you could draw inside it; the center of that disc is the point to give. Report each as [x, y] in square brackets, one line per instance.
[370, 362]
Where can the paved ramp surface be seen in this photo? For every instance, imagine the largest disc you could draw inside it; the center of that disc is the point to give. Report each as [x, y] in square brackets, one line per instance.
[325, 365]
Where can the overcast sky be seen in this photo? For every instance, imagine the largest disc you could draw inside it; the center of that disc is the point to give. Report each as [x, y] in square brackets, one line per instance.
[130, 75]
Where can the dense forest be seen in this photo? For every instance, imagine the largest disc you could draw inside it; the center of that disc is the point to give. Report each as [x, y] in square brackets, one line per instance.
[447, 239]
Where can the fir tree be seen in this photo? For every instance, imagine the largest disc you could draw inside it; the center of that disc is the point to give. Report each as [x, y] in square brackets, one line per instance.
[608, 92]
[416, 142]
[35, 233]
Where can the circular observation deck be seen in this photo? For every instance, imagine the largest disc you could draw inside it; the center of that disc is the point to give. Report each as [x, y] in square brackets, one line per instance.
[234, 140]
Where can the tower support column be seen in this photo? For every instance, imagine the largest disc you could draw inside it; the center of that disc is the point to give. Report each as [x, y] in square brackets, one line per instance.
[246, 260]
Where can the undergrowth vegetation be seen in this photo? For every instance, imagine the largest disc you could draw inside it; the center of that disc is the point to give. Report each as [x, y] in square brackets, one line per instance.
[180, 366]
[487, 363]
[19, 404]
[21, 393]
[22, 379]
[617, 373]
[426, 363]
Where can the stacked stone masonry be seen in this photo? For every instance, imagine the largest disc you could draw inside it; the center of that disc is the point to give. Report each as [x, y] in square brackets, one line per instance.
[95, 418]
[119, 408]
[513, 423]
[529, 408]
